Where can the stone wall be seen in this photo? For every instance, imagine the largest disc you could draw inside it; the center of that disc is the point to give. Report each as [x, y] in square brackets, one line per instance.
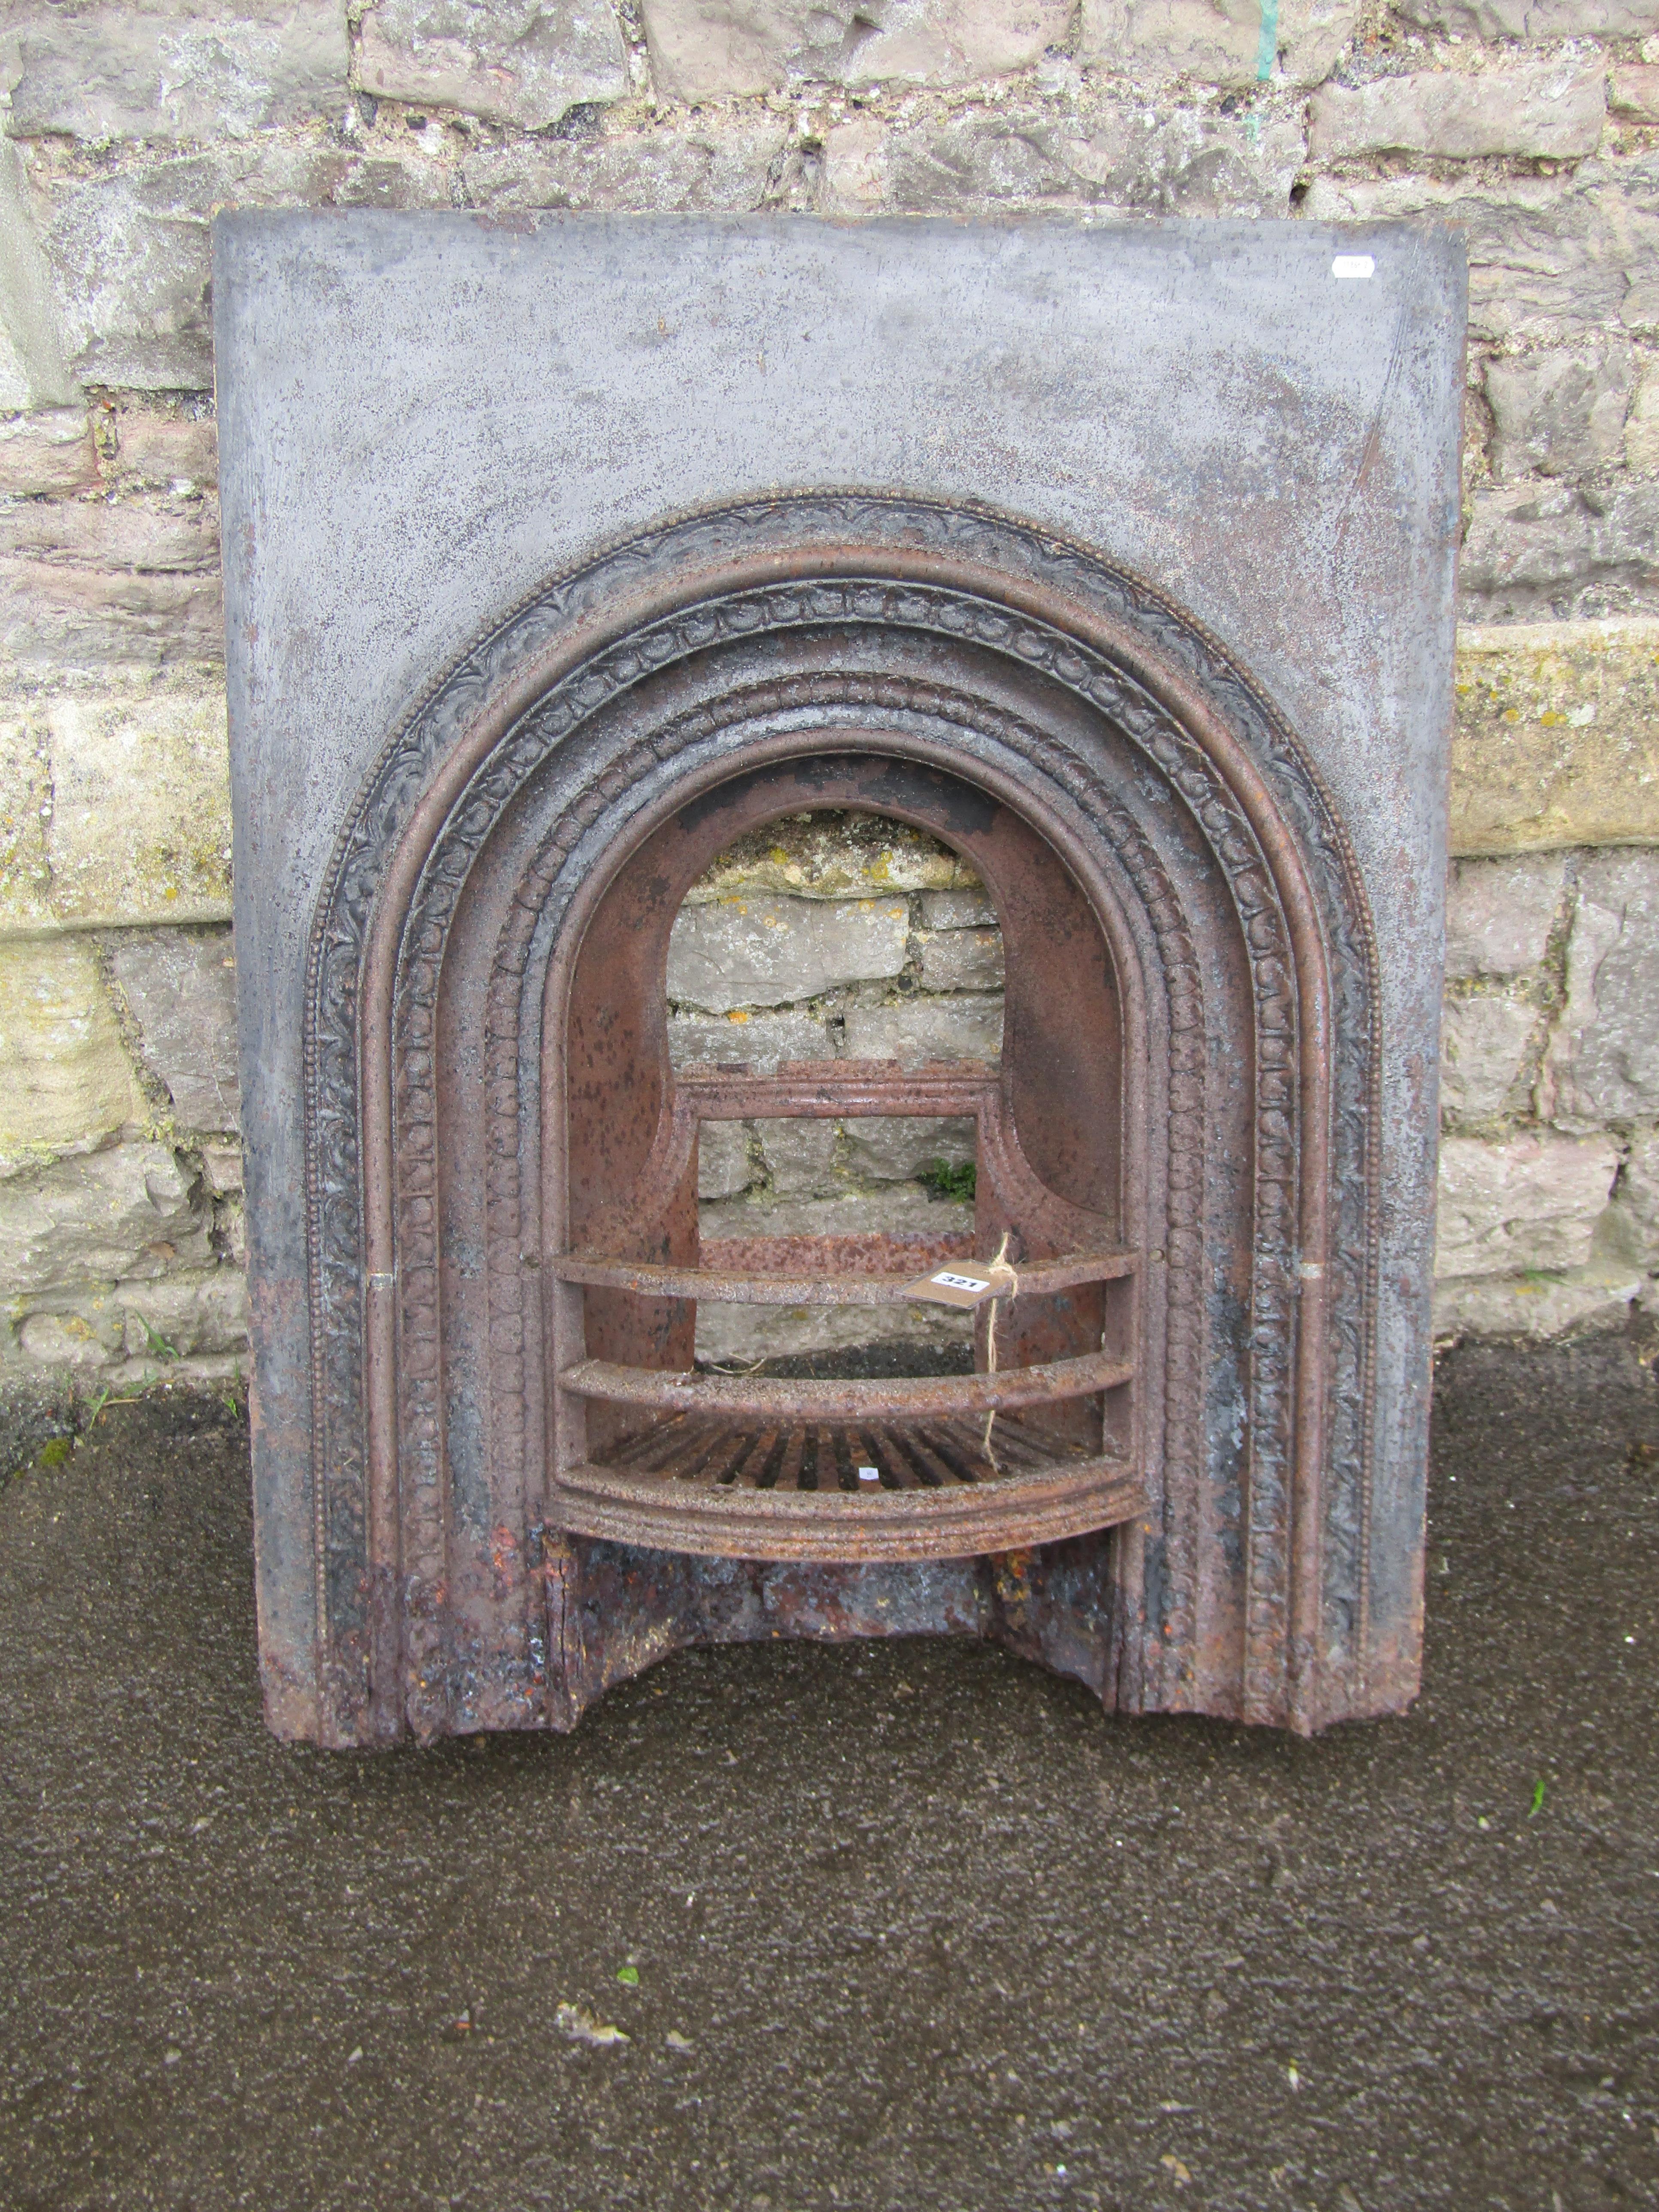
[1533, 124]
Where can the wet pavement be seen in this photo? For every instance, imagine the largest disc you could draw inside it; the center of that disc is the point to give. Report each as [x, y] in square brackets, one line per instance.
[913, 1925]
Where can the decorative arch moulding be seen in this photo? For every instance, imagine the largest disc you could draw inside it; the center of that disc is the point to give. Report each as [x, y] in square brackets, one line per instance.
[1119, 558]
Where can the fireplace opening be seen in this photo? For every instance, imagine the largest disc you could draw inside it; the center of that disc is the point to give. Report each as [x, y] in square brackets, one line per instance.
[759, 1354]
[825, 937]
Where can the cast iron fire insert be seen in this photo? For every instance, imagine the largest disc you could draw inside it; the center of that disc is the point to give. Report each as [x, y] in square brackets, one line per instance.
[1121, 561]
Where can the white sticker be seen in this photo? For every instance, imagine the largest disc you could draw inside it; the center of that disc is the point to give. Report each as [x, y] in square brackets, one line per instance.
[869, 1475]
[1353, 265]
[950, 1282]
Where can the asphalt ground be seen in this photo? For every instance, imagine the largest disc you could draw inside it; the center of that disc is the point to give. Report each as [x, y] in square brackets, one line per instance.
[906, 1924]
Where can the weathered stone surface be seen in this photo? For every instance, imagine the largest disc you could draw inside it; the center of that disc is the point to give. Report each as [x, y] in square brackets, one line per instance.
[523, 62]
[758, 1041]
[916, 1031]
[713, 165]
[127, 1212]
[767, 951]
[26, 809]
[800, 1157]
[141, 818]
[745, 1333]
[1633, 91]
[1482, 1050]
[1555, 107]
[129, 247]
[897, 1147]
[179, 69]
[724, 1167]
[1195, 161]
[1536, 19]
[1559, 413]
[1557, 737]
[1552, 259]
[1536, 1306]
[1535, 553]
[161, 449]
[189, 1315]
[1499, 915]
[962, 960]
[65, 1075]
[180, 987]
[34, 367]
[1213, 44]
[1642, 425]
[1603, 1060]
[1529, 1205]
[222, 1167]
[957, 910]
[717, 49]
[85, 582]
[46, 453]
[1636, 1200]
[832, 854]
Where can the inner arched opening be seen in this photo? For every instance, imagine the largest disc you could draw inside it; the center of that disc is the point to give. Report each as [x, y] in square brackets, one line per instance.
[826, 935]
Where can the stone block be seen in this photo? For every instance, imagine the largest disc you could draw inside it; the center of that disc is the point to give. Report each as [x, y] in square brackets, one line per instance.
[1642, 425]
[958, 910]
[712, 166]
[1633, 91]
[742, 1334]
[836, 855]
[221, 1168]
[1194, 162]
[722, 49]
[800, 1157]
[1553, 260]
[962, 960]
[184, 1317]
[1602, 1064]
[141, 818]
[127, 1212]
[740, 1038]
[1535, 1307]
[724, 1167]
[767, 951]
[164, 449]
[45, 454]
[1484, 1041]
[1554, 108]
[177, 69]
[1499, 915]
[1559, 413]
[1637, 1199]
[130, 246]
[1535, 553]
[34, 366]
[26, 808]
[1530, 1205]
[180, 989]
[899, 1147]
[65, 1075]
[1557, 737]
[85, 582]
[1536, 19]
[916, 1031]
[1216, 43]
[523, 63]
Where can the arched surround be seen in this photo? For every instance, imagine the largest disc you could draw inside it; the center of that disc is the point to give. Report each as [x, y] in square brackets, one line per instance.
[1060, 688]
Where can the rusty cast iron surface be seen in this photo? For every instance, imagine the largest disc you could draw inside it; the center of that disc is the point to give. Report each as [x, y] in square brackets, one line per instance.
[1142, 600]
